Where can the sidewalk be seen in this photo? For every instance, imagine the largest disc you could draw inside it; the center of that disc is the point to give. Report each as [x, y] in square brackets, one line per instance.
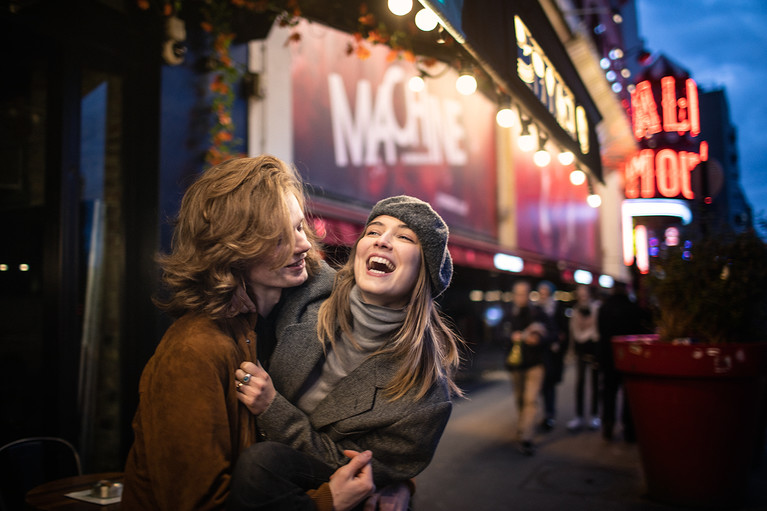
[478, 468]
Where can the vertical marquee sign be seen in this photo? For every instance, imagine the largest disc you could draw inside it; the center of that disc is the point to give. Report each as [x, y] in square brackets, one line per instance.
[665, 119]
[664, 170]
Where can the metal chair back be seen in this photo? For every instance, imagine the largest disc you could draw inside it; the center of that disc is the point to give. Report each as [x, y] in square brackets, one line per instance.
[29, 462]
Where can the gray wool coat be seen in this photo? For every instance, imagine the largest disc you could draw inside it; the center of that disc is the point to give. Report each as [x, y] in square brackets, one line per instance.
[402, 434]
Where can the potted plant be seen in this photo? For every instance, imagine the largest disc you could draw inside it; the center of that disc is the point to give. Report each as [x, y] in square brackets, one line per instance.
[697, 388]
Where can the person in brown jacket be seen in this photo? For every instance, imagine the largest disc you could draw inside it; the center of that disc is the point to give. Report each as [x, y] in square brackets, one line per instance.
[240, 239]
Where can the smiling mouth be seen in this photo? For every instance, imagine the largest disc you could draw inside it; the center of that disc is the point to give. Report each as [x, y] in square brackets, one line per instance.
[297, 264]
[380, 265]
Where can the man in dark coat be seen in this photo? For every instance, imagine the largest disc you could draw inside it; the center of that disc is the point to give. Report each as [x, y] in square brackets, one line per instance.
[618, 315]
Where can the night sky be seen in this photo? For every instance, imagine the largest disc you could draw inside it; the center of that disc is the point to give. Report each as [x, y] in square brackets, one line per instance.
[723, 43]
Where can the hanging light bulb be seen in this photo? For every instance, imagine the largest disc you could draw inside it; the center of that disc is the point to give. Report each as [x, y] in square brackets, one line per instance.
[566, 157]
[526, 141]
[466, 84]
[577, 177]
[416, 84]
[505, 118]
[400, 7]
[426, 20]
[541, 158]
[594, 200]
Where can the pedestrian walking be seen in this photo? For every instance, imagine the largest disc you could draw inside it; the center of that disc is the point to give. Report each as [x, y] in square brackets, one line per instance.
[585, 338]
[525, 362]
[553, 362]
[618, 315]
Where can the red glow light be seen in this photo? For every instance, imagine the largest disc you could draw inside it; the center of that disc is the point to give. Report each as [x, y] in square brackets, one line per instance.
[667, 169]
[680, 115]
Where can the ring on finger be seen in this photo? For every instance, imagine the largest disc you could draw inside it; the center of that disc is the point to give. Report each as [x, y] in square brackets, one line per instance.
[246, 378]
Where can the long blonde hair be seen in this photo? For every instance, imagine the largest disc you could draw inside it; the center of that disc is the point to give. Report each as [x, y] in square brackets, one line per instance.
[425, 346]
[234, 214]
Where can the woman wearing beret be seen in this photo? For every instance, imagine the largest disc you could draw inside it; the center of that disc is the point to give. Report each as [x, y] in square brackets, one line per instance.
[368, 369]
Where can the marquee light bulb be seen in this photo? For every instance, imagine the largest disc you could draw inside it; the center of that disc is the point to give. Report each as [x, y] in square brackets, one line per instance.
[566, 157]
[400, 7]
[541, 158]
[416, 84]
[426, 20]
[526, 142]
[505, 118]
[466, 84]
[594, 200]
[577, 177]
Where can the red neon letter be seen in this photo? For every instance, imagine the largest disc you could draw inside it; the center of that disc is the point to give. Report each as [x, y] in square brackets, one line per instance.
[692, 107]
[639, 175]
[667, 172]
[645, 111]
[687, 162]
[675, 112]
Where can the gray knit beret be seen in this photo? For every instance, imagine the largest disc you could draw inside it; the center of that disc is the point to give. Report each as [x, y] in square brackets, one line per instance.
[431, 230]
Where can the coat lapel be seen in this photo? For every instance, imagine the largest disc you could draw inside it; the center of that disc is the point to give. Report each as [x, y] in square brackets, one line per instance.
[294, 357]
[354, 394]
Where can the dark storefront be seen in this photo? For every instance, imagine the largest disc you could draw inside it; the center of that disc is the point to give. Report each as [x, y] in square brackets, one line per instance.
[78, 185]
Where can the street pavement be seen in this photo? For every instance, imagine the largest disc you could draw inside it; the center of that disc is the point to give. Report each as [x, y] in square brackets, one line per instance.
[477, 467]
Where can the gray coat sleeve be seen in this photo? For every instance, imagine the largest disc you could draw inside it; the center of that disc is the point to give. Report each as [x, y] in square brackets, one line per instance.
[403, 434]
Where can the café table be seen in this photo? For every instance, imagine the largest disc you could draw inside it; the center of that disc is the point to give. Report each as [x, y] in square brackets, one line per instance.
[53, 494]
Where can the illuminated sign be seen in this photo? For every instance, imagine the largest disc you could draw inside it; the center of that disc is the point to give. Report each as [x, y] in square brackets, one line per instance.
[664, 171]
[542, 78]
[679, 115]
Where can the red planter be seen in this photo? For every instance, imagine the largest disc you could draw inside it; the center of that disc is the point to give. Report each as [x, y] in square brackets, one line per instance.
[698, 415]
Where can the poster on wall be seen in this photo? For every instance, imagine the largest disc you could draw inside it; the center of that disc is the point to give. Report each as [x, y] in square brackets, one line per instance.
[361, 134]
[553, 217]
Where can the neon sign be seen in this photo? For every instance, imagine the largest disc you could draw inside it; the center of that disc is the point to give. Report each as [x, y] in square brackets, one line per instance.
[679, 115]
[667, 171]
[664, 171]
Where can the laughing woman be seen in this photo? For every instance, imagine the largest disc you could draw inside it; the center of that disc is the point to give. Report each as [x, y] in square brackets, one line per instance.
[370, 368]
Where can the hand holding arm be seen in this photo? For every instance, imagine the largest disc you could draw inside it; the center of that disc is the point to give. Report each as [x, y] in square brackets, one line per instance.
[255, 387]
[351, 483]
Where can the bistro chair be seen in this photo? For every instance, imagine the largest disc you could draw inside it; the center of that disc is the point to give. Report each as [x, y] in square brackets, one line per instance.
[29, 462]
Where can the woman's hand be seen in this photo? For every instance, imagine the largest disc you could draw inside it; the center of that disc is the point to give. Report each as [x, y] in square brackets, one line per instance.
[395, 497]
[254, 387]
[352, 482]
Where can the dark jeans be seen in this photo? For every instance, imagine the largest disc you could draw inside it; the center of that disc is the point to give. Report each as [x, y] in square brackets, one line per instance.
[587, 363]
[273, 476]
[552, 377]
[613, 383]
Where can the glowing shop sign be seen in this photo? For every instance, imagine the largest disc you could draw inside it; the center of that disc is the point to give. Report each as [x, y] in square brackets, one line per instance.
[541, 77]
[665, 171]
[679, 115]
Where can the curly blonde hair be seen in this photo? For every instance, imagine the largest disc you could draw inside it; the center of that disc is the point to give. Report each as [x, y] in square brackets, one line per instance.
[233, 215]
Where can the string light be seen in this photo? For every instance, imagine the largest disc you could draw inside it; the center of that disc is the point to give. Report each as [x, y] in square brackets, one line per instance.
[426, 20]
[541, 158]
[577, 177]
[400, 7]
[416, 83]
[566, 157]
[505, 118]
[466, 84]
[526, 141]
[593, 200]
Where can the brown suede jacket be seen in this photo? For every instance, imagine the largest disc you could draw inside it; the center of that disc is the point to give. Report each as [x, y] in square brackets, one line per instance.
[189, 426]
